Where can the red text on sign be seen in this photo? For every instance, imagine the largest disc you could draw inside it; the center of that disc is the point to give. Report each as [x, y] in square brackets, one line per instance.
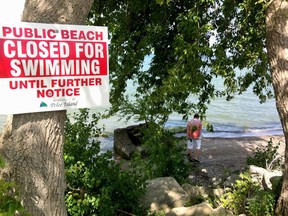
[32, 49]
[39, 33]
[69, 92]
[28, 32]
[81, 35]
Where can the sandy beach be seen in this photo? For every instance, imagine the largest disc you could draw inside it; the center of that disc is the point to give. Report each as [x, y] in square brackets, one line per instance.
[222, 156]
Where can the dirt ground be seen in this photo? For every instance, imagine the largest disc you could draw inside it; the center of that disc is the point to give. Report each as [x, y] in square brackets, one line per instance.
[221, 157]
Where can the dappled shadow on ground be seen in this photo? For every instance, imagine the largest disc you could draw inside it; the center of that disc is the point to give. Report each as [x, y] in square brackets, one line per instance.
[222, 157]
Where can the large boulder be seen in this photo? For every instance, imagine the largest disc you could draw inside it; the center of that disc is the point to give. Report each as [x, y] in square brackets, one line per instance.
[164, 194]
[197, 192]
[128, 140]
[202, 209]
[265, 177]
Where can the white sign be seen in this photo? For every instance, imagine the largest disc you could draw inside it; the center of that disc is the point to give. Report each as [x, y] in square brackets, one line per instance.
[47, 67]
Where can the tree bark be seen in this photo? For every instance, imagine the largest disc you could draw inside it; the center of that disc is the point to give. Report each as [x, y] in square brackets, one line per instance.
[32, 144]
[277, 48]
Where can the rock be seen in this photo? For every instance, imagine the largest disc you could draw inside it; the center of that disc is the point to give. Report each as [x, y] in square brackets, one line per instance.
[196, 193]
[230, 181]
[256, 170]
[256, 173]
[202, 209]
[123, 145]
[164, 194]
[218, 192]
[128, 140]
[268, 176]
[220, 211]
[264, 177]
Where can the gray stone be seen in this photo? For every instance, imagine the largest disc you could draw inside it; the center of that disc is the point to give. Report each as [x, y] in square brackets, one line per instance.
[267, 178]
[123, 145]
[196, 191]
[164, 194]
[202, 209]
[231, 180]
[128, 140]
[263, 176]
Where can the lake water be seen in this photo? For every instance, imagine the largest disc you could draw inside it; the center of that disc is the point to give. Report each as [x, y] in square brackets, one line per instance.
[243, 116]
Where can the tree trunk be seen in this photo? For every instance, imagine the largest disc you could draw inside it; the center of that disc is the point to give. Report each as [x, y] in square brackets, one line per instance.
[33, 149]
[32, 144]
[277, 47]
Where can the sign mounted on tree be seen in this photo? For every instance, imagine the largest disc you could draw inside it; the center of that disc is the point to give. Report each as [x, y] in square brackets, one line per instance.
[48, 67]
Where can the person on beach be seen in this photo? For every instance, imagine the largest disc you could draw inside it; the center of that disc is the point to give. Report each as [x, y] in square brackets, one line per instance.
[194, 132]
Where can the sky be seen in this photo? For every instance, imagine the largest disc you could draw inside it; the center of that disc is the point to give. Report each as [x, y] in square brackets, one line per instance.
[11, 10]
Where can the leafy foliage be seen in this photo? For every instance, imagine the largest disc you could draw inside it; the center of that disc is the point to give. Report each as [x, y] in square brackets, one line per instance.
[165, 155]
[2, 162]
[262, 203]
[170, 35]
[96, 184]
[268, 157]
[9, 197]
[188, 45]
[9, 203]
[247, 197]
[240, 44]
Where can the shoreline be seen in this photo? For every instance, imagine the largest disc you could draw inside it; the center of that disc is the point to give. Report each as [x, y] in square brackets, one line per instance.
[221, 157]
[219, 148]
[234, 134]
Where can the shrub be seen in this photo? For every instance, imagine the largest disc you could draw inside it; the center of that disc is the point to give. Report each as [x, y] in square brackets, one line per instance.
[164, 154]
[247, 197]
[267, 158]
[96, 185]
[261, 204]
[9, 197]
